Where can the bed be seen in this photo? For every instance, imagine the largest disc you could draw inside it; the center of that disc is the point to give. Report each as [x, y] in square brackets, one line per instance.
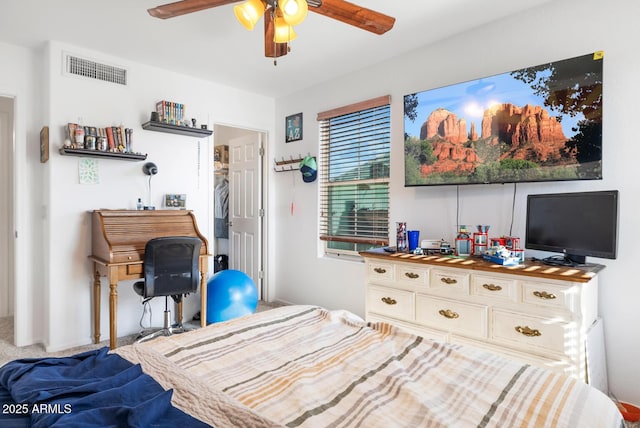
[300, 366]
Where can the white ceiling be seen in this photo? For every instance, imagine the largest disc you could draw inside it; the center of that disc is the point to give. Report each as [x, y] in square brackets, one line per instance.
[211, 44]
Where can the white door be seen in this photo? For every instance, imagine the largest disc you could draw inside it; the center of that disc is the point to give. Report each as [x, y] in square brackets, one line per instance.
[245, 206]
[6, 207]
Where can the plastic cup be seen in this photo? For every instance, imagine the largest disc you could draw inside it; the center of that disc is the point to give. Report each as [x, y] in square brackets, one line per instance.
[414, 237]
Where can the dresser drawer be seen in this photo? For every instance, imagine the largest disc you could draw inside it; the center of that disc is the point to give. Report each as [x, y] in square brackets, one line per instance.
[391, 302]
[449, 281]
[380, 271]
[532, 333]
[560, 365]
[548, 295]
[502, 289]
[413, 275]
[418, 330]
[451, 315]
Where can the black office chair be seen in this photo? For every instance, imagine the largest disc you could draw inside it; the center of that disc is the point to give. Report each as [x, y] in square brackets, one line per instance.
[170, 270]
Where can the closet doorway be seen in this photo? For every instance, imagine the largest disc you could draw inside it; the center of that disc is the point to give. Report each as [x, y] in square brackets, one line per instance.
[239, 201]
[7, 286]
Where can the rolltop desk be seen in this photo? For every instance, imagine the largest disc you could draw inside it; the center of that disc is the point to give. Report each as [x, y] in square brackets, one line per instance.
[117, 250]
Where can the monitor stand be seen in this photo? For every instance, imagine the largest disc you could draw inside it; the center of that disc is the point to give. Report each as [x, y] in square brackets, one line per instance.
[565, 260]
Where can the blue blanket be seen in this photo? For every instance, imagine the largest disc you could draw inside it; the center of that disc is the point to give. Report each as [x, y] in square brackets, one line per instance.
[94, 388]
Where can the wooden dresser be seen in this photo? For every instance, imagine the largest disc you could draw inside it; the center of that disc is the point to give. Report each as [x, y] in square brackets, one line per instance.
[538, 314]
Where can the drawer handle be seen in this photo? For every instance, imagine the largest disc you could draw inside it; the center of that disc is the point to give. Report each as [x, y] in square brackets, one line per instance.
[448, 314]
[544, 295]
[380, 270]
[411, 275]
[528, 331]
[449, 281]
[492, 287]
[389, 300]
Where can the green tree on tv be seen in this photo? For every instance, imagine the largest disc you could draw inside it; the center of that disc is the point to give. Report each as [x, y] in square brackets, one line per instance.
[564, 89]
[570, 92]
[410, 109]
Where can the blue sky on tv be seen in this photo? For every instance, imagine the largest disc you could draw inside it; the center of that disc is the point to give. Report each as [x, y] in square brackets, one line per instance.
[468, 100]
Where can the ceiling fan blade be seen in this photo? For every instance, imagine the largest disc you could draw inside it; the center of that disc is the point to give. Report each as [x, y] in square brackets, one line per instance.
[171, 10]
[271, 48]
[355, 15]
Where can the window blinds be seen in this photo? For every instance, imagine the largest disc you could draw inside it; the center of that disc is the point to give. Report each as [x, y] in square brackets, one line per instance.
[354, 175]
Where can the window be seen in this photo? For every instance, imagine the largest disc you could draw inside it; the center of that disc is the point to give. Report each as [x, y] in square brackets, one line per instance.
[354, 176]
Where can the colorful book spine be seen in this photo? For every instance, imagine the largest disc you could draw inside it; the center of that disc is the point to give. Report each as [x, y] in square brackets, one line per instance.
[170, 112]
[110, 140]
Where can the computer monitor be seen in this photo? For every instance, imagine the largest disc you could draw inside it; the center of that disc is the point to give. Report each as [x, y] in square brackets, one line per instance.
[575, 224]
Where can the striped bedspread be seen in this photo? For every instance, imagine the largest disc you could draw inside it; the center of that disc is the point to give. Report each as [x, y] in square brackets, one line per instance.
[303, 366]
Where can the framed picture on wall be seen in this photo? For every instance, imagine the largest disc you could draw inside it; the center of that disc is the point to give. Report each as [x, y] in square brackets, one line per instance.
[293, 127]
[44, 144]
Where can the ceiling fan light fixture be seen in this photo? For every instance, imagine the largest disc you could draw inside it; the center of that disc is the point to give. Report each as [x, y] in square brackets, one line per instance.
[249, 13]
[282, 31]
[293, 11]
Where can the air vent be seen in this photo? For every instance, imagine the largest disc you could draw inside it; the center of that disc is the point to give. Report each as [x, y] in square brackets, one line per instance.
[95, 70]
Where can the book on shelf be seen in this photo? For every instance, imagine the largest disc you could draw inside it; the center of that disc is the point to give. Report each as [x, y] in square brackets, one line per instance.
[110, 139]
[170, 112]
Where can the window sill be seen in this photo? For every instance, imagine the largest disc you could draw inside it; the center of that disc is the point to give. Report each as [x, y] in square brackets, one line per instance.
[346, 257]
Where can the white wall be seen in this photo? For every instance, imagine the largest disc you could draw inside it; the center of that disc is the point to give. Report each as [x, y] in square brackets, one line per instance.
[555, 31]
[21, 79]
[184, 163]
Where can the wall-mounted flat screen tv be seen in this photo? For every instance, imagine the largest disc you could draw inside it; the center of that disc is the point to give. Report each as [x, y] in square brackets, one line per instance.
[541, 123]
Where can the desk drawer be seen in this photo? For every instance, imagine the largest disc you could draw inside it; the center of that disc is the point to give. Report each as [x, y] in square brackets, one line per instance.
[127, 256]
[391, 302]
[451, 315]
[135, 269]
[131, 271]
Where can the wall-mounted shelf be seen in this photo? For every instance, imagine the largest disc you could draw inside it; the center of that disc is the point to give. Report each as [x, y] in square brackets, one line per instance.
[176, 129]
[104, 155]
[291, 164]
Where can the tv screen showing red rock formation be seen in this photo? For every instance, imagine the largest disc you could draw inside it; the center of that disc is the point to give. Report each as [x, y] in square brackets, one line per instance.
[541, 123]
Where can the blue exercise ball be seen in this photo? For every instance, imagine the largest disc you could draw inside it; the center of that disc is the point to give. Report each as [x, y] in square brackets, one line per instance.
[230, 294]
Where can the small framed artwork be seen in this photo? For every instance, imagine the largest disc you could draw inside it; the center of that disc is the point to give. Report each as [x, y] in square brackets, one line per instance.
[293, 127]
[176, 202]
[44, 144]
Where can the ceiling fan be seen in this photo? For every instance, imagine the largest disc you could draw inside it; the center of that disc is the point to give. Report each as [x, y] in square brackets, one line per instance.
[280, 16]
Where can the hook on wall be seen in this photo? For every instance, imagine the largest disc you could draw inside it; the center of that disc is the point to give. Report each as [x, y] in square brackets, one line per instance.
[293, 164]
